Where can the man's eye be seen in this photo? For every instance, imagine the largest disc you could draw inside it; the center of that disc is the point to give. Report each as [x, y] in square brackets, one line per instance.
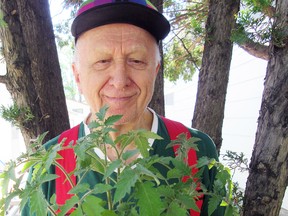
[136, 63]
[103, 61]
[101, 64]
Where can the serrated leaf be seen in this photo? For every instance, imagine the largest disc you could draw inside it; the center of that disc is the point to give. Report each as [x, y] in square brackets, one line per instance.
[69, 204]
[97, 164]
[174, 173]
[127, 180]
[108, 213]
[24, 196]
[166, 191]
[175, 209]
[144, 171]
[79, 188]
[213, 203]
[112, 119]
[125, 139]
[101, 188]
[111, 168]
[203, 161]
[230, 211]
[188, 201]
[102, 112]
[150, 135]
[41, 138]
[149, 201]
[77, 212]
[211, 164]
[27, 165]
[8, 199]
[38, 204]
[130, 153]
[143, 145]
[52, 154]
[47, 178]
[92, 205]
[94, 124]
[182, 167]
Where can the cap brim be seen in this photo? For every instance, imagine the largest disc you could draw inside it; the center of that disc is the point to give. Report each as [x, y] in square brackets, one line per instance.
[130, 13]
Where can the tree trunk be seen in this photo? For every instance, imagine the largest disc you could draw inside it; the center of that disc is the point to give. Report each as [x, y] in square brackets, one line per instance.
[157, 103]
[268, 177]
[33, 73]
[214, 73]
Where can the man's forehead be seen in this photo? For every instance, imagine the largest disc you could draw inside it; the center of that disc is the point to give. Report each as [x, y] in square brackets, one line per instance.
[118, 33]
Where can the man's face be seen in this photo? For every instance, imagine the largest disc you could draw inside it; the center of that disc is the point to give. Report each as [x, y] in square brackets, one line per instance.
[116, 65]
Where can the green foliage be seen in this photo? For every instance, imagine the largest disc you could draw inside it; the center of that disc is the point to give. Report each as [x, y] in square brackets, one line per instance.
[16, 115]
[254, 22]
[236, 162]
[131, 188]
[183, 52]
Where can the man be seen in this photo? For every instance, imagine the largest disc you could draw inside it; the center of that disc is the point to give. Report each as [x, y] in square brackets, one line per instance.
[116, 62]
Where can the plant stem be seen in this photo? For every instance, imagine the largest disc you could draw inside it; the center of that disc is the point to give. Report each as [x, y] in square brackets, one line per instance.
[65, 173]
[109, 196]
[50, 209]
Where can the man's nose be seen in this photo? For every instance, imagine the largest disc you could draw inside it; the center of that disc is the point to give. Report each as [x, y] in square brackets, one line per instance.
[120, 75]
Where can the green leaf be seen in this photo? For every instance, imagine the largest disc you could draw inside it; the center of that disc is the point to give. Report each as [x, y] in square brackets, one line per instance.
[47, 178]
[101, 188]
[130, 153]
[143, 145]
[94, 124]
[203, 161]
[38, 204]
[112, 119]
[182, 167]
[50, 157]
[188, 201]
[111, 168]
[69, 204]
[213, 203]
[150, 135]
[79, 188]
[175, 209]
[97, 164]
[77, 212]
[230, 210]
[92, 205]
[127, 180]
[141, 170]
[108, 213]
[8, 199]
[174, 173]
[102, 112]
[149, 201]
[125, 139]
[28, 165]
[166, 191]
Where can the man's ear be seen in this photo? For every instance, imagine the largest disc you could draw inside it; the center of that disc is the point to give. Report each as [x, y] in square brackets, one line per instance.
[76, 77]
[158, 67]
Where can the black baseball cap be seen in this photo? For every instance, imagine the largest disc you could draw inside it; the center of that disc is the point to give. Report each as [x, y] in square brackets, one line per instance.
[141, 13]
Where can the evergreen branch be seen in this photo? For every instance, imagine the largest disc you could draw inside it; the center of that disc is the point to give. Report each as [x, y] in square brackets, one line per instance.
[188, 52]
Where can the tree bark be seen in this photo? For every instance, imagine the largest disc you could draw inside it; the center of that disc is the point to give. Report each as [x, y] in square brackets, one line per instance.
[33, 72]
[214, 73]
[268, 176]
[158, 103]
